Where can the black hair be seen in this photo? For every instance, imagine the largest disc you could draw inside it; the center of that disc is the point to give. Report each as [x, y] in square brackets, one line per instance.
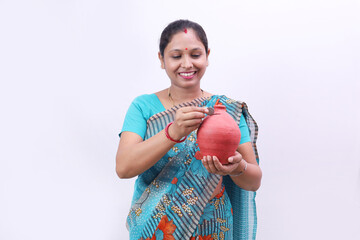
[178, 26]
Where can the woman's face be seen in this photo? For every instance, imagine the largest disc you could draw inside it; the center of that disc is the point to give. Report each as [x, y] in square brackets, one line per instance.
[185, 59]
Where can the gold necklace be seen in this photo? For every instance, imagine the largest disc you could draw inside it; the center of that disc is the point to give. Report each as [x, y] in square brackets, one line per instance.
[172, 100]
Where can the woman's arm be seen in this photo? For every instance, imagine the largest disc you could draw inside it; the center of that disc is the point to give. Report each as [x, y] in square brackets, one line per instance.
[134, 156]
[250, 179]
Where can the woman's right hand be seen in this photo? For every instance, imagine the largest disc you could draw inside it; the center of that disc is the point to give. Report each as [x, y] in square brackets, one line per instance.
[135, 155]
[187, 119]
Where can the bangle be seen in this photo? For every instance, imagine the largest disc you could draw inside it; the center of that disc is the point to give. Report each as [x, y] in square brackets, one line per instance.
[168, 136]
[246, 164]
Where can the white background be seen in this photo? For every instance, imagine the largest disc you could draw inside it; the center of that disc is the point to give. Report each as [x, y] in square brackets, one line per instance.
[70, 68]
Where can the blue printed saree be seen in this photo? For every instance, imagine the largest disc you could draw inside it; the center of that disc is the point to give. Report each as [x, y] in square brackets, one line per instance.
[171, 199]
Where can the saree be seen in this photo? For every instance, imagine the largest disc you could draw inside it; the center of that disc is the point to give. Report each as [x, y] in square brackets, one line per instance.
[172, 199]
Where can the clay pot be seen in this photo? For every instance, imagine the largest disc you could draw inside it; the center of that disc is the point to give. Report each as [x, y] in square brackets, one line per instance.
[218, 135]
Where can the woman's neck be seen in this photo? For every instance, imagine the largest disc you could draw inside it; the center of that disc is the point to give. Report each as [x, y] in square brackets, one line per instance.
[179, 95]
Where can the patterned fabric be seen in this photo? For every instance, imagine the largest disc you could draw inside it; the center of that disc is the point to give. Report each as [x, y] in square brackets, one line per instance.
[171, 199]
[217, 220]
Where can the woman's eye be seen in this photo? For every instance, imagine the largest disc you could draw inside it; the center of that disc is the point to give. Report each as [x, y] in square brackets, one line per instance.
[195, 55]
[176, 57]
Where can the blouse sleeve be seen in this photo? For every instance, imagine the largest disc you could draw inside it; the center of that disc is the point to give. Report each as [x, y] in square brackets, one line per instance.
[135, 121]
[244, 130]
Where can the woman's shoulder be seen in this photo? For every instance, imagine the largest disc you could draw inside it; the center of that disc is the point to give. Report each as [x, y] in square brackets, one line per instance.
[146, 101]
[148, 104]
[143, 98]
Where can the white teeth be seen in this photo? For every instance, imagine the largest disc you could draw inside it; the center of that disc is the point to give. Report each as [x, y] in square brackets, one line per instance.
[187, 74]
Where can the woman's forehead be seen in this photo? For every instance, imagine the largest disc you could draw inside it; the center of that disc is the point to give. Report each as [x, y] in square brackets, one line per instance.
[188, 39]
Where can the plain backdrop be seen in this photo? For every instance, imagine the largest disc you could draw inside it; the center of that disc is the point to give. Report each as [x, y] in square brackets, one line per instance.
[70, 68]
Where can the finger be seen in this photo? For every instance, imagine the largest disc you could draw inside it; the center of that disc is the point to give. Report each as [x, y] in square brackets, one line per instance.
[211, 165]
[194, 109]
[182, 117]
[238, 154]
[206, 165]
[181, 123]
[229, 168]
[236, 158]
[192, 123]
[193, 115]
[217, 164]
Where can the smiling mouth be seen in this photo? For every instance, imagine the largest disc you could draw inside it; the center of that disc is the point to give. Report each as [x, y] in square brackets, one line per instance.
[187, 74]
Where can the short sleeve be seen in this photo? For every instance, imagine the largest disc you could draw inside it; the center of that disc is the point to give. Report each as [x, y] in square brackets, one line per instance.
[244, 129]
[135, 121]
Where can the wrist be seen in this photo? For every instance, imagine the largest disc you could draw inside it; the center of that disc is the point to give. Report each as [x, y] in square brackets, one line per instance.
[172, 132]
[243, 165]
[171, 135]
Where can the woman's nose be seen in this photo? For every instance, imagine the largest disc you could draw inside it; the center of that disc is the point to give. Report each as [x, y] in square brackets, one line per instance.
[186, 62]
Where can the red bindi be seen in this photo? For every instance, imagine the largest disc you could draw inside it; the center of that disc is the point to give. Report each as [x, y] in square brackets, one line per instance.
[185, 30]
[185, 48]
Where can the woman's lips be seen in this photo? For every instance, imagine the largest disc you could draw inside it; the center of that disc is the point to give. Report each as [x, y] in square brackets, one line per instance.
[187, 75]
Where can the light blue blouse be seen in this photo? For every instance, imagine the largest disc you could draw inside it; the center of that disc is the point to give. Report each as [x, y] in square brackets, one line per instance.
[146, 105]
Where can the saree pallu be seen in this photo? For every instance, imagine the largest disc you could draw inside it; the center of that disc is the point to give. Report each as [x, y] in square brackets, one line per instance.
[171, 199]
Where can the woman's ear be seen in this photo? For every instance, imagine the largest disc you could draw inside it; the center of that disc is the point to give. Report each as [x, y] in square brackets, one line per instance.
[161, 60]
[207, 55]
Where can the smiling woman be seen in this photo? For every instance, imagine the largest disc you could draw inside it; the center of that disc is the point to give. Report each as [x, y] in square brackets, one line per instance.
[177, 195]
[184, 59]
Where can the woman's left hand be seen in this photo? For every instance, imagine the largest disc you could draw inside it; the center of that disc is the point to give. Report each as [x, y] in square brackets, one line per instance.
[213, 165]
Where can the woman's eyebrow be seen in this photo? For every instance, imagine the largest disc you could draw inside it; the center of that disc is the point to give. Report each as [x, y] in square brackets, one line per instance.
[179, 50]
[175, 50]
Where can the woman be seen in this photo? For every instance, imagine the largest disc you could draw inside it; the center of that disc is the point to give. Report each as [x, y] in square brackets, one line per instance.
[177, 196]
